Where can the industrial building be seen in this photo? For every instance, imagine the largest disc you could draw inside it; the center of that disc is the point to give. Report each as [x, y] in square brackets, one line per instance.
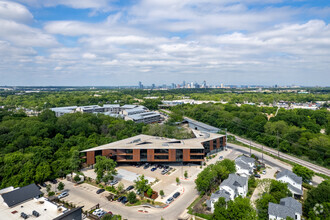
[146, 148]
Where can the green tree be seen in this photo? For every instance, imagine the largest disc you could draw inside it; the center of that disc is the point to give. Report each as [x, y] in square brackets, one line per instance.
[43, 172]
[75, 161]
[131, 197]
[186, 174]
[60, 186]
[161, 193]
[120, 187]
[262, 205]
[238, 209]
[104, 168]
[303, 172]
[76, 178]
[279, 190]
[177, 180]
[318, 196]
[149, 192]
[141, 184]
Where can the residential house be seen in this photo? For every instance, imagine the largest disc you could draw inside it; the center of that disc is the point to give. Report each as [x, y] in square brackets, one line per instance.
[294, 181]
[244, 165]
[288, 207]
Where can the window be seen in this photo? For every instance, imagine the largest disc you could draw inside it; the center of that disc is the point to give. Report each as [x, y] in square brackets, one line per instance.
[128, 151]
[161, 157]
[196, 157]
[143, 155]
[194, 151]
[179, 154]
[215, 144]
[161, 151]
[207, 146]
[128, 157]
[98, 153]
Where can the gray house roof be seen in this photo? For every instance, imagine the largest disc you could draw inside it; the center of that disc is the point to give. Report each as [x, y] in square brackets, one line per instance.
[288, 207]
[216, 195]
[242, 165]
[290, 174]
[295, 190]
[245, 159]
[234, 181]
[21, 195]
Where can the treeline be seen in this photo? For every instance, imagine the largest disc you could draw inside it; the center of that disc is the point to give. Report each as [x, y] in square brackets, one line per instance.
[50, 99]
[35, 149]
[297, 132]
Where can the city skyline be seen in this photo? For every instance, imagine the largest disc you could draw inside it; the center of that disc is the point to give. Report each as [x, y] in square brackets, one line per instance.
[119, 43]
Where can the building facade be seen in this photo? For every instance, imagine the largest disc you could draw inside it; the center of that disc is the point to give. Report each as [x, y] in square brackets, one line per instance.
[145, 148]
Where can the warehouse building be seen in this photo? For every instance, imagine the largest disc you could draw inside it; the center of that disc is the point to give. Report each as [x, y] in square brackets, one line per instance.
[146, 148]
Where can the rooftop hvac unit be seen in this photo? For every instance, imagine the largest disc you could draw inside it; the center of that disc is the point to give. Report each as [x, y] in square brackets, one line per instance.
[35, 213]
[23, 215]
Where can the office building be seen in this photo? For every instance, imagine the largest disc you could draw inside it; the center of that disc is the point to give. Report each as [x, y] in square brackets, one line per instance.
[146, 148]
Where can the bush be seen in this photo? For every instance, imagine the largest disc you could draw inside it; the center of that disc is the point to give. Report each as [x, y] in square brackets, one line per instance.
[131, 197]
[60, 186]
[76, 178]
[51, 193]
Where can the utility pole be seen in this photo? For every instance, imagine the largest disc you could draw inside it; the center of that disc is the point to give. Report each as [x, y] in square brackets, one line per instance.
[278, 145]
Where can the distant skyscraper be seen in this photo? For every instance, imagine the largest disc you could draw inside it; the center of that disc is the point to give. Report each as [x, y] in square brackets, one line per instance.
[221, 85]
[140, 85]
[184, 84]
[153, 86]
[204, 84]
[173, 86]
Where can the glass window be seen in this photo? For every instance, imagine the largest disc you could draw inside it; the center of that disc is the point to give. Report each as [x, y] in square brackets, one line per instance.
[161, 157]
[161, 151]
[192, 157]
[196, 151]
[128, 157]
[179, 154]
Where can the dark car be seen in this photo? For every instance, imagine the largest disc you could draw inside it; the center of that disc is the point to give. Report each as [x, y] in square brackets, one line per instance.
[166, 167]
[138, 165]
[53, 181]
[257, 175]
[129, 188]
[146, 166]
[176, 195]
[153, 169]
[100, 191]
[120, 198]
[124, 200]
[43, 184]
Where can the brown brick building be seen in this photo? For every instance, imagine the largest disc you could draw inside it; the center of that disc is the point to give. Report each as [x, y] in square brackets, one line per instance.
[145, 148]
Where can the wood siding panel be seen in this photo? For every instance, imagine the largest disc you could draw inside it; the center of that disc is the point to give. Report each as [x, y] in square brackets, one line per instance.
[90, 157]
[211, 145]
[186, 155]
[218, 142]
[136, 155]
[150, 155]
[172, 155]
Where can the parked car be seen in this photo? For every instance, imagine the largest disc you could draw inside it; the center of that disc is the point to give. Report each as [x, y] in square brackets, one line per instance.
[113, 182]
[100, 191]
[153, 169]
[120, 198]
[97, 211]
[100, 214]
[221, 157]
[62, 195]
[129, 188]
[169, 200]
[146, 166]
[124, 200]
[43, 184]
[138, 165]
[164, 172]
[264, 172]
[53, 181]
[257, 175]
[176, 195]
[166, 167]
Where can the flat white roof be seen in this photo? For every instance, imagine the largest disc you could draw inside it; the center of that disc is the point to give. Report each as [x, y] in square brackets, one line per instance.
[143, 141]
[46, 209]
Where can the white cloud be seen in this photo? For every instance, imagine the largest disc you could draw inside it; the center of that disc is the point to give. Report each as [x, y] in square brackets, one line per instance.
[14, 11]
[89, 56]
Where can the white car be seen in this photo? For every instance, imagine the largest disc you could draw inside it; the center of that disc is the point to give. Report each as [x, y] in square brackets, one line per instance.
[264, 172]
[62, 195]
[97, 212]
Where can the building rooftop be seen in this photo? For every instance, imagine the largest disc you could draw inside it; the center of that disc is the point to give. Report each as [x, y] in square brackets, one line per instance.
[245, 159]
[290, 174]
[202, 125]
[288, 207]
[143, 115]
[143, 141]
[46, 209]
[233, 181]
[20, 195]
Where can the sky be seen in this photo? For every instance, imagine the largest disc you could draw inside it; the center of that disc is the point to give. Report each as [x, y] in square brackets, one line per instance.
[118, 43]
